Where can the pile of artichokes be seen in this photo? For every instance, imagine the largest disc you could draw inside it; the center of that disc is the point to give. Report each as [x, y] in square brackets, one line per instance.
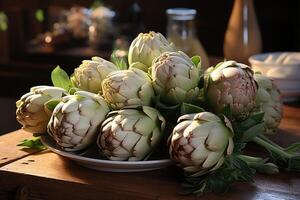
[131, 114]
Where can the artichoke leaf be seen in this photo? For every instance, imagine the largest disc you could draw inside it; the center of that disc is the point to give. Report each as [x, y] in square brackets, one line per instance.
[61, 79]
[187, 108]
[252, 132]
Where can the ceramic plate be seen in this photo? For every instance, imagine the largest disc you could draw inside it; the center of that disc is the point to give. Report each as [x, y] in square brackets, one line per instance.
[93, 161]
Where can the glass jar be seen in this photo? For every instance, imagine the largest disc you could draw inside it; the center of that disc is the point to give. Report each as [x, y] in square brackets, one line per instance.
[181, 32]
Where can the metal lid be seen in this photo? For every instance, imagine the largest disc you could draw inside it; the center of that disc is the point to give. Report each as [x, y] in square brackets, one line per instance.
[181, 13]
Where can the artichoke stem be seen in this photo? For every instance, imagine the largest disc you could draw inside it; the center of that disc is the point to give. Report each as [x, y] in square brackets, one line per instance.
[250, 160]
[270, 141]
[259, 164]
[271, 147]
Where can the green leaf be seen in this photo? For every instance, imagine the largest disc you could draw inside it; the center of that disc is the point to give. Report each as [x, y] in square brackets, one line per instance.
[293, 148]
[51, 104]
[119, 58]
[218, 181]
[33, 143]
[3, 21]
[196, 60]
[39, 15]
[238, 147]
[60, 79]
[251, 121]
[252, 132]
[187, 108]
[72, 90]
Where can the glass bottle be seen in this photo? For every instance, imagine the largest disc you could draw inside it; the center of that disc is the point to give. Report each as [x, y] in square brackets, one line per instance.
[181, 32]
[242, 37]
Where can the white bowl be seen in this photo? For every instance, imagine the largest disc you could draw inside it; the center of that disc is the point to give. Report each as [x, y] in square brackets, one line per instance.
[283, 68]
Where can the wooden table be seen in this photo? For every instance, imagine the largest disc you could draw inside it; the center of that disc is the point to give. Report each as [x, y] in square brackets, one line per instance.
[45, 175]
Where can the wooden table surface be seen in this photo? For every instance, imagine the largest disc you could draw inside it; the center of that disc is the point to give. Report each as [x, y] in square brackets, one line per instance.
[45, 175]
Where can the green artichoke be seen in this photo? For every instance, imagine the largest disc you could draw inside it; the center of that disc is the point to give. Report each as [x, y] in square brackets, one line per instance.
[131, 133]
[146, 47]
[200, 142]
[31, 110]
[231, 83]
[175, 78]
[76, 119]
[268, 100]
[90, 74]
[127, 88]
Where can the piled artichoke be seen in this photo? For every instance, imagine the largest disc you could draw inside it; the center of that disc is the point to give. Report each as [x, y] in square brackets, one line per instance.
[90, 74]
[200, 142]
[268, 100]
[120, 112]
[145, 48]
[75, 120]
[131, 133]
[32, 111]
[231, 83]
[127, 88]
[175, 78]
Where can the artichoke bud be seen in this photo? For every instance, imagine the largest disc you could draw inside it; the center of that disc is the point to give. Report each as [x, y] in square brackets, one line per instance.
[268, 100]
[31, 110]
[231, 83]
[131, 133]
[76, 119]
[146, 47]
[175, 78]
[200, 142]
[90, 74]
[128, 88]
[140, 66]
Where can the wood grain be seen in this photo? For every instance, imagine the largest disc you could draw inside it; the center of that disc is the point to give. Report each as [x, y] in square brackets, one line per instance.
[49, 176]
[46, 175]
[9, 151]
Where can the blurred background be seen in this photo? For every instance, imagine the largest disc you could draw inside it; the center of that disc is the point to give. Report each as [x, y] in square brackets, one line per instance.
[38, 35]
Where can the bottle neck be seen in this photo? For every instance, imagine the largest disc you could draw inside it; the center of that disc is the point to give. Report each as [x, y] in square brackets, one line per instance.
[183, 29]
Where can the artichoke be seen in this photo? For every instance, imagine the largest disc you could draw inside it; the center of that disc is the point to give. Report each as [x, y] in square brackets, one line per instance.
[31, 110]
[231, 83]
[268, 100]
[127, 88]
[175, 78]
[131, 133]
[75, 120]
[146, 47]
[90, 74]
[200, 142]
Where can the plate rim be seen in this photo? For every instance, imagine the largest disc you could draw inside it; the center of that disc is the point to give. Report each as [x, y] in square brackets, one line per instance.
[100, 161]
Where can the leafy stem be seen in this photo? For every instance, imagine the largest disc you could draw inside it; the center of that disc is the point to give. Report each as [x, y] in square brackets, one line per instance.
[285, 158]
[260, 164]
[272, 148]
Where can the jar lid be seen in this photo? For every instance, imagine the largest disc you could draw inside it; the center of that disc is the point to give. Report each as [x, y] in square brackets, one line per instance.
[181, 13]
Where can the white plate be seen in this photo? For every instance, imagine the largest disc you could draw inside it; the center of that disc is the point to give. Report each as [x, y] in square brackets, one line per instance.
[106, 165]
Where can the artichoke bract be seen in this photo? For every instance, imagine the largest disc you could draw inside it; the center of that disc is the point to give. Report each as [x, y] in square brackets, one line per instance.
[131, 133]
[127, 88]
[175, 78]
[269, 101]
[75, 120]
[31, 111]
[90, 74]
[200, 142]
[146, 47]
[231, 83]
